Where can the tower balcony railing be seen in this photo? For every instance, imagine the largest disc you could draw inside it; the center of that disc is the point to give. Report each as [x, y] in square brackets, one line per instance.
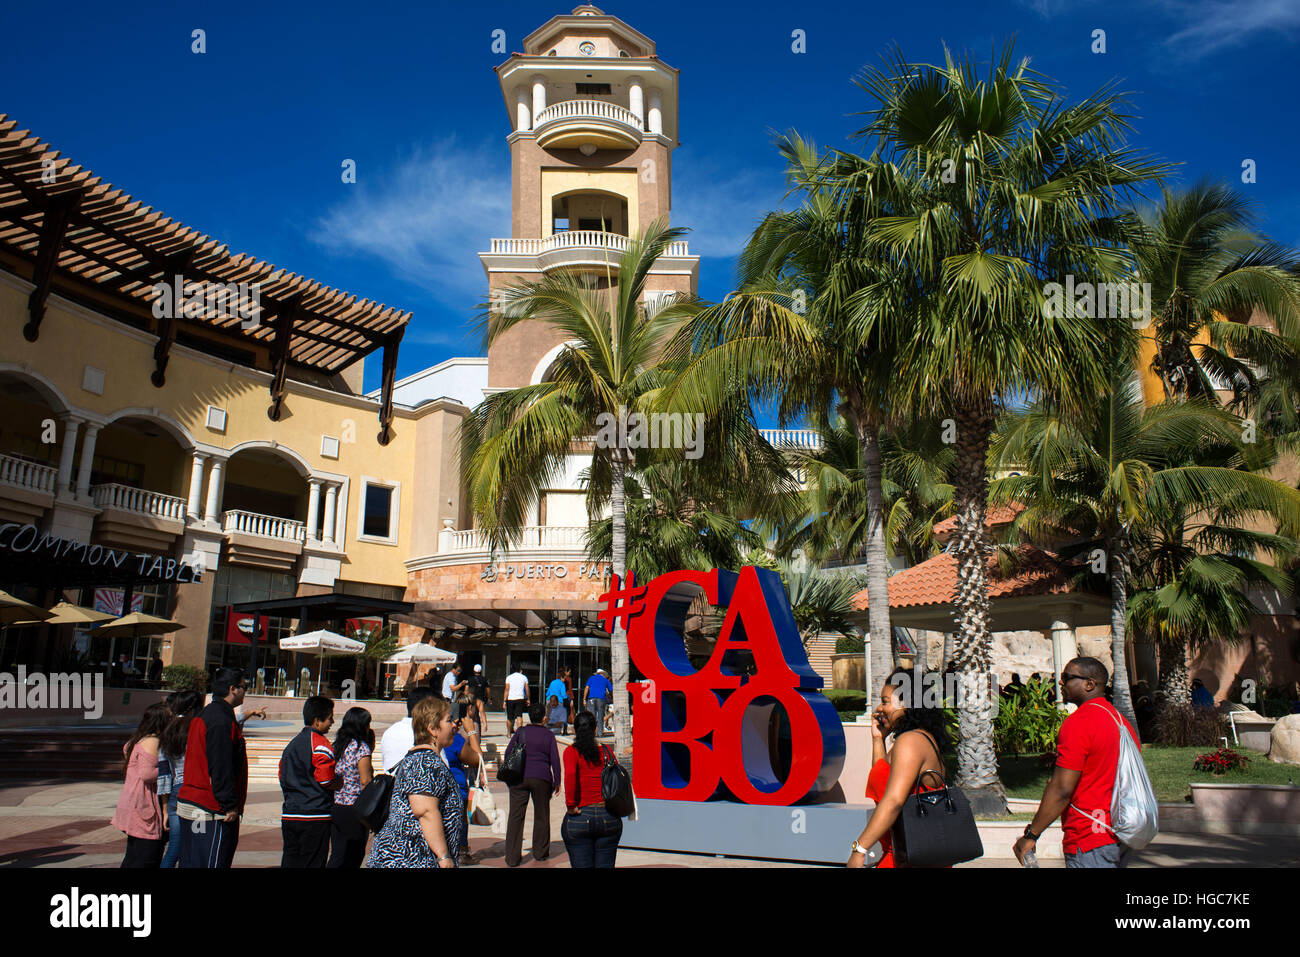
[140, 501]
[573, 123]
[576, 247]
[20, 473]
[267, 526]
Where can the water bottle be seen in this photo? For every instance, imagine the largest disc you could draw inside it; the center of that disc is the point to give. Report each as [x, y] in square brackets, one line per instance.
[1030, 859]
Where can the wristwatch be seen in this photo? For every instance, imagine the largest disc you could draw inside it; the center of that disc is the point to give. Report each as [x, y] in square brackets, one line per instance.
[859, 849]
[1031, 835]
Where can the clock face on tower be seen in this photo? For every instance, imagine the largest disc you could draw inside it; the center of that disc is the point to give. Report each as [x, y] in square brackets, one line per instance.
[587, 48]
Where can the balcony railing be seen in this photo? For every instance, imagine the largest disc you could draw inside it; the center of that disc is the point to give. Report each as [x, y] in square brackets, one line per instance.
[587, 110]
[559, 537]
[20, 473]
[138, 500]
[801, 439]
[576, 239]
[267, 526]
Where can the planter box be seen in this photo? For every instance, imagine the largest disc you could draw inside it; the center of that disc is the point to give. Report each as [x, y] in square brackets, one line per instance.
[1244, 809]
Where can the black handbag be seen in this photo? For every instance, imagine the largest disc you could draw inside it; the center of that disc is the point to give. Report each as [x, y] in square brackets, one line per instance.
[511, 770]
[936, 828]
[371, 806]
[616, 786]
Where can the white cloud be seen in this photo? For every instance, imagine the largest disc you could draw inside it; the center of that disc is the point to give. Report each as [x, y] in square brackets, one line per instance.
[427, 218]
[1213, 25]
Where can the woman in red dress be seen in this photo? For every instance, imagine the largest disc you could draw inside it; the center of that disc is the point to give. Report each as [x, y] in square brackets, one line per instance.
[919, 738]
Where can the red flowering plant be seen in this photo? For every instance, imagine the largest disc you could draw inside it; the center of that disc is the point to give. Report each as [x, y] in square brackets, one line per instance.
[1220, 761]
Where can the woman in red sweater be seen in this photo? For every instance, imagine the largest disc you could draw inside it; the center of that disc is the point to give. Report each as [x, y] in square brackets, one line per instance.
[590, 832]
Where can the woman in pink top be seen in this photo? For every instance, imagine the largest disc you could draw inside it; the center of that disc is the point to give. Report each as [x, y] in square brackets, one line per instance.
[138, 813]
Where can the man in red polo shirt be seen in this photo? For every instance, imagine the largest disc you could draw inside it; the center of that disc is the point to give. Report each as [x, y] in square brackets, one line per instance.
[1080, 790]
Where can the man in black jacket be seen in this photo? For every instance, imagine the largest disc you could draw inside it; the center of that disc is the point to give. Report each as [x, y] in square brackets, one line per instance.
[308, 780]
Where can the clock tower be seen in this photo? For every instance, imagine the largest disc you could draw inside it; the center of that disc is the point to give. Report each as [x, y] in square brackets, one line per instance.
[594, 123]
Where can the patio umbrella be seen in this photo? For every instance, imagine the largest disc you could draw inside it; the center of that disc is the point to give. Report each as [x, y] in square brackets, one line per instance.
[66, 613]
[138, 625]
[13, 610]
[322, 643]
[422, 652]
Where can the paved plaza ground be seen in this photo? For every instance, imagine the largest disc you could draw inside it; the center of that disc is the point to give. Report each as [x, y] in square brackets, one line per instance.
[64, 823]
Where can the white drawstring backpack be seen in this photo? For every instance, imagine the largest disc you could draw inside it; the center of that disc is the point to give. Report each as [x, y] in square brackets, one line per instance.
[1133, 809]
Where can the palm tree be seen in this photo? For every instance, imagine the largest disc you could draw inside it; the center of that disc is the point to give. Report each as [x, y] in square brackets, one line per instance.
[679, 517]
[782, 337]
[1096, 480]
[1193, 587]
[1004, 188]
[820, 601]
[515, 443]
[1208, 271]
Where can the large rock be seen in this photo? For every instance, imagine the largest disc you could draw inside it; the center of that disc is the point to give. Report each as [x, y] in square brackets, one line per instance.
[1285, 748]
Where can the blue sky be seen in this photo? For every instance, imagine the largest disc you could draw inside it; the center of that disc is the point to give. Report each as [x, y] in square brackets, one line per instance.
[246, 141]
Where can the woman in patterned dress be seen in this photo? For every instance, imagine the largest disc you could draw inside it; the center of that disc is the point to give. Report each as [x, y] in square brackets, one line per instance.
[424, 826]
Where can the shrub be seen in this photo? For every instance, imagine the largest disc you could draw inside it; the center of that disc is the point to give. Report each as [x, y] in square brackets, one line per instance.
[1028, 721]
[850, 645]
[1220, 761]
[1183, 726]
[184, 678]
[846, 699]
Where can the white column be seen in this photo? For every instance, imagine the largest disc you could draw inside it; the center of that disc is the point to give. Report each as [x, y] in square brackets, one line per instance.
[635, 100]
[210, 510]
[63, 484]
[656, 118]
[87, 457]
[539, 95]
[1064, 647]
[192, 508]
[447, 537]
[313, 509]
[523, 115]
[331, 503]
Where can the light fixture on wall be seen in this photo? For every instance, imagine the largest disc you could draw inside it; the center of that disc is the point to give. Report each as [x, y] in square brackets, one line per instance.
[587, 149]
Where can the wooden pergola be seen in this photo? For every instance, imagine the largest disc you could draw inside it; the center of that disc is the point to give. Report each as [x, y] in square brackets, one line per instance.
[72, 233]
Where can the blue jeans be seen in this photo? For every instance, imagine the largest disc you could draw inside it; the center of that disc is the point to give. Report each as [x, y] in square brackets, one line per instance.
[591, 836]
[1108, 855]
[172, 855]
[597, 707]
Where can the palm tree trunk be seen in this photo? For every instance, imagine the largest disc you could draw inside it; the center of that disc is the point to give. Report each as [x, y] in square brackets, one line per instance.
[977, 763]
[618, 654]
[1175, 676]
[1123, 699]
[877, 562]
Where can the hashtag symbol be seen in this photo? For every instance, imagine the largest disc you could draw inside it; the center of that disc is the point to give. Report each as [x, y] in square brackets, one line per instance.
[634, 597]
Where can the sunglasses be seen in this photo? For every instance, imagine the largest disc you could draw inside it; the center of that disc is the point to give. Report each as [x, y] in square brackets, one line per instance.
[1067, 678]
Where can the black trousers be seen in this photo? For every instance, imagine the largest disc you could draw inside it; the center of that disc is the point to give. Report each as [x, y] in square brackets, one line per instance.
[306, 843]
[539, 791]
[347, 838]
[143, 852]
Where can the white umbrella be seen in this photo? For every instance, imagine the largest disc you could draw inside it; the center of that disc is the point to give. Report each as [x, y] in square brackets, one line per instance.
[322, 643]
[422, 652]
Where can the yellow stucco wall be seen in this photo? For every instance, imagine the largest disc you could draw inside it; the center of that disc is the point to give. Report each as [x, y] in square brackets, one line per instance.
[70, 340]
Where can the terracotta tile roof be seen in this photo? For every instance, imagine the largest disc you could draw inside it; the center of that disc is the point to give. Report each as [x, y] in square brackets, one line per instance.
[934, 582]
[994, 517]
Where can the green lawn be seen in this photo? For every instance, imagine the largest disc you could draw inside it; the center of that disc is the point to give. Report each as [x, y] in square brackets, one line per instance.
[1170, 769]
